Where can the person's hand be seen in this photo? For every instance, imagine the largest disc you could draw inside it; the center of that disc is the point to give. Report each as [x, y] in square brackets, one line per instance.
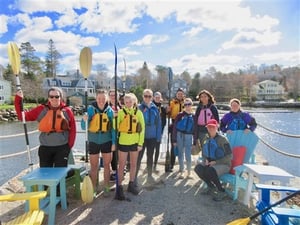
[212, 163]
[246, 131]
[229, 131]
[174, 144]
[139, 148]
[85, 117]
[20, 93]
[115, 114]
[113, 148]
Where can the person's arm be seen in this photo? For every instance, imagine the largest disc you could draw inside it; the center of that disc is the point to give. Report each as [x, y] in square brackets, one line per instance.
[72, 125]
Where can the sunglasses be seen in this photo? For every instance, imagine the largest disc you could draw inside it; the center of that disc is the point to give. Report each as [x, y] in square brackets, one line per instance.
[147, 96]
[54, 96]
[187, 104]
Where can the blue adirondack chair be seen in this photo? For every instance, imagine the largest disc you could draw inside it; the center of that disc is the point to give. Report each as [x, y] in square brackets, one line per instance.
[233, 182]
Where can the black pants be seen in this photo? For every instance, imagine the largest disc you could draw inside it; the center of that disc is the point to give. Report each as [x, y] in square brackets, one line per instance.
[114, 161]
[54, 156]
[209, 175]
[149, 144]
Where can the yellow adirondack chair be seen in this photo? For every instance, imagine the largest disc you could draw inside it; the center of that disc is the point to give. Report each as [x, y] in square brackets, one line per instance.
[34, 216]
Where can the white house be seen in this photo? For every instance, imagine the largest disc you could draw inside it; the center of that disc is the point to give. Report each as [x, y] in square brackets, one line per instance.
[5, 91]
[268, 90]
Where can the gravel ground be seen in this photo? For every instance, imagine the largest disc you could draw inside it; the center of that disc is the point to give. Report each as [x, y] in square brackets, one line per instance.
[169, 201]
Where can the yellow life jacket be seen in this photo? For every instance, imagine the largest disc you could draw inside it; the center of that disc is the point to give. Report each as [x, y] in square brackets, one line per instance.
[100, 123]
[130, 123]
[54, 120]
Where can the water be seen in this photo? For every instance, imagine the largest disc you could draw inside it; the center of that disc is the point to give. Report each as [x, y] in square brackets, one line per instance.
[288, 122]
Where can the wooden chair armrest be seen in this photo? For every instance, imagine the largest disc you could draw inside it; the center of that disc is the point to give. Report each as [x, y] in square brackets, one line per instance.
[32, 197]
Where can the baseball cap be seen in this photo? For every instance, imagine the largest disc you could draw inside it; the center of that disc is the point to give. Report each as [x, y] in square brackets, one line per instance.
[212, 122]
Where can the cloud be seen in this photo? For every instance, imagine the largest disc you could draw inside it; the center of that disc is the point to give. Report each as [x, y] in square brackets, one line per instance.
[3, 24]
[150, 39]
[291, 58]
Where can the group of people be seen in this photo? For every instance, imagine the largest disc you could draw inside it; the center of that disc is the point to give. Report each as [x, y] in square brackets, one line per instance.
[123, 130]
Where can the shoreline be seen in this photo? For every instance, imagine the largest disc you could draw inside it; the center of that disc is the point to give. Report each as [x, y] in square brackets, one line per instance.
[169, 201]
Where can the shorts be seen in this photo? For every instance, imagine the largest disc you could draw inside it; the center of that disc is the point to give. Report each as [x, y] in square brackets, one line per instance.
[128, 148]
[97, 148]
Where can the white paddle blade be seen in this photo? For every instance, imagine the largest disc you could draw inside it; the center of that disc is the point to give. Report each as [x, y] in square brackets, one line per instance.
[85, 61]
[87, 190]
[14, 57]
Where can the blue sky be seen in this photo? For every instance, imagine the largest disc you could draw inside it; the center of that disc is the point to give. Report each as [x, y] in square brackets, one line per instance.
[185, 35]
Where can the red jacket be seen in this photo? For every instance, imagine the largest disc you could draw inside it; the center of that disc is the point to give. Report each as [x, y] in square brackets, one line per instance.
[33, 114]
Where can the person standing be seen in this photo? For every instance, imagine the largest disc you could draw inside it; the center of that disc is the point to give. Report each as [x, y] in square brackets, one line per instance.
[205, 111]
[152, 132]
[57, 126]
[236, 119]
[101, 137]
[183, 131]
[176, 106]
[157, 100]
[217, 156]
[131, 128]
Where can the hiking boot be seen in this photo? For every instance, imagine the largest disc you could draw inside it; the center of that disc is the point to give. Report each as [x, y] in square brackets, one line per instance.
[219, 196]
[132, 188]
[207, 191]
[181, 175]
[120, 193]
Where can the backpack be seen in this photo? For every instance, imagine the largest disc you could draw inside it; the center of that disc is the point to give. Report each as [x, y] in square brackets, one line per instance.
[100, 122]
[130, 123]
[186, 124]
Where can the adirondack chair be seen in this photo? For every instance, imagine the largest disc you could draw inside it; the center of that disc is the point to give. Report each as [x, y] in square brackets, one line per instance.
[34, 216]
[239, 141]
[280, 215]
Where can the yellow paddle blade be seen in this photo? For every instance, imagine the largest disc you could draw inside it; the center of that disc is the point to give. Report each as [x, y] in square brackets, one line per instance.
[243, 221]
[14, 57]
[85, 61]
[87, 190]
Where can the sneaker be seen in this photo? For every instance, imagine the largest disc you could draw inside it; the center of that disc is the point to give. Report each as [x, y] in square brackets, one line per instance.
[155, 170]
[120, 193]
[181, 175]
[132, 188]
[150, 180]
[106, 191]
[112, 177]
[219, 196]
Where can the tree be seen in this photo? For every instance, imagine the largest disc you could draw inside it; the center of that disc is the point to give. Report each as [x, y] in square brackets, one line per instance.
[29, 62]
[52, 60]
[143, 77]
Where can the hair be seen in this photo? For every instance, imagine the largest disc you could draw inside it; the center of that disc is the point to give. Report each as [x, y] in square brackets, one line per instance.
[211, 98]
[235, 100]
[188, 100]
[58, 90]
[148, 91]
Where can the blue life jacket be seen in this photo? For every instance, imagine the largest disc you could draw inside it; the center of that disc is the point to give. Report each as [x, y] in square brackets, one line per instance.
[186, 124]
[237, 122]
[211, 150]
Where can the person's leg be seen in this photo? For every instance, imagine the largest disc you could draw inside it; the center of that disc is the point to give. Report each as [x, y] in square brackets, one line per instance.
[122, 159]
[200, 170]
[212, 175]
[150, 152]
[156, 155]
[180, 147]
[61, 155]
[140, 156]
[188, 152]
[133, 161]
[106, 161]
[114, 164]
[46, 156]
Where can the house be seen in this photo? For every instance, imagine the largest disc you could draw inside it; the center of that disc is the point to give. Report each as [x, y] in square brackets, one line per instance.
[5, 91]
[268, 90]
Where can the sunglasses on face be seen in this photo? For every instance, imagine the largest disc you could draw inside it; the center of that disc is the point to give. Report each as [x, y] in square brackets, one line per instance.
[54, 96]
[187, 104]
[147, 96]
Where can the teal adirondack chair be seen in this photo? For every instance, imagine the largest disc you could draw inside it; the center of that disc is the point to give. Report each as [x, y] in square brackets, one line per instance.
[238, 139]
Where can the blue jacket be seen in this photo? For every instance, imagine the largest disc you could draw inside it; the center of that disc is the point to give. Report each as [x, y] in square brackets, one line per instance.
[152, 121]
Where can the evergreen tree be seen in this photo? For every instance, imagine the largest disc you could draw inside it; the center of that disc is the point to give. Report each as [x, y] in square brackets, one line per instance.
[52, 60]
[29, 62]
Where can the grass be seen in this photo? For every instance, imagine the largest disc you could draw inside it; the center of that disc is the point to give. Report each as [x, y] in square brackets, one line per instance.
[12, 107]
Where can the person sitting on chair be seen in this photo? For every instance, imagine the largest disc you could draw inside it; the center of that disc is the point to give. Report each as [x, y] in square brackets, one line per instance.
[217, 156]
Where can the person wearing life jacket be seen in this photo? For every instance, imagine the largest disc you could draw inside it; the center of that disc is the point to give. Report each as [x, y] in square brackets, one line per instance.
[236, 119]
[176, 106]
[216, 161]
[183, 131]
[101, 137]
[205, 111]
[152, 132]
[131, 127]
[157, 100]
[57, 126]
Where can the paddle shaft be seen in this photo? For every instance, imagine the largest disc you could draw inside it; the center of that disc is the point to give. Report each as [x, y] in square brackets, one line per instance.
[116, 119]
[276, 203]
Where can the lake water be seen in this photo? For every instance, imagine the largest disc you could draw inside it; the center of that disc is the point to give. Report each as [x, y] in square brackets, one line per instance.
[285, 121]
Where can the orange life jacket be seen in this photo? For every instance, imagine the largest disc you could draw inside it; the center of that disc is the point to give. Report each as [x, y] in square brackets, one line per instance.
[53, 120]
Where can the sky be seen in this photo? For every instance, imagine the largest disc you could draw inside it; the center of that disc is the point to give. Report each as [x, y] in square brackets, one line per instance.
[185, 35]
